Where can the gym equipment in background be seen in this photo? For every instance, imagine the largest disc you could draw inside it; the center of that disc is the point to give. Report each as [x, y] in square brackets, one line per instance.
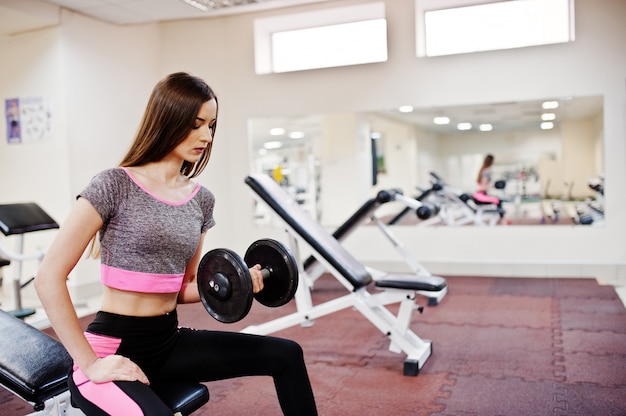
[17, 220]
[458, 208]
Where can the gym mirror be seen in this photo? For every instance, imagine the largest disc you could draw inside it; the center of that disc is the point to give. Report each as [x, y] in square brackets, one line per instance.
[548, 152]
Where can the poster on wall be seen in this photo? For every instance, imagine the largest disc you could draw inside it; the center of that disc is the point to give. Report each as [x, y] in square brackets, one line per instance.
[12, 111]
[28, 120]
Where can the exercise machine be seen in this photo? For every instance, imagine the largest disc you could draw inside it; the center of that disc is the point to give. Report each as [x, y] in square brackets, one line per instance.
[17, 220]
[456, 208]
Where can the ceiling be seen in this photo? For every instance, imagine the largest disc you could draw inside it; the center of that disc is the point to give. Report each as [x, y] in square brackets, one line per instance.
[515, 115]
[18, 16]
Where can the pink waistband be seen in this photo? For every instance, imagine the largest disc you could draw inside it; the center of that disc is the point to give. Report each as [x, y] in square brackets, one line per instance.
[140, 282]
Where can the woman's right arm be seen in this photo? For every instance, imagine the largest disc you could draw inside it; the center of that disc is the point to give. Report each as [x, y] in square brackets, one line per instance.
[51, 285]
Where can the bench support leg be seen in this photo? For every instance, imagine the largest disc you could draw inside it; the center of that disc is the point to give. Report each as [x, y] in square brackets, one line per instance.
[58, 406]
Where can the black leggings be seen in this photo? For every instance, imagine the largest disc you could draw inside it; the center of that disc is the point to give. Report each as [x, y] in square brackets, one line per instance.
[166, 352]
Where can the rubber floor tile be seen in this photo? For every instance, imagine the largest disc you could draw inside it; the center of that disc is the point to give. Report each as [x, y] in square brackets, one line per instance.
[511, 396]
[608, 370]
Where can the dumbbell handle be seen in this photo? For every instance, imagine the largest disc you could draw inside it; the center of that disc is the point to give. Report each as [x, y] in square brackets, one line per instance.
[265, 272]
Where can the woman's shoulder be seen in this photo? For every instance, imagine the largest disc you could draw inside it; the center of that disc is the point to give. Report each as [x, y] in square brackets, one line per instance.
[206, 202]
[110, 174]
[204, 193]
[109, 179]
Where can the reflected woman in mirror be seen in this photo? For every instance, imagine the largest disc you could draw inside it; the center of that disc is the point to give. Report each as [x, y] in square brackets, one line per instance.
[483, 182]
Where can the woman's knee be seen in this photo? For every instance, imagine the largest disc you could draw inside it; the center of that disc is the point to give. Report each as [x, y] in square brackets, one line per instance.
[293, 349]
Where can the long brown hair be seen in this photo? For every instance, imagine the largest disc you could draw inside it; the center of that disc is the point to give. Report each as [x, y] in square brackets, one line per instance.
[486, 164]
[169, 117]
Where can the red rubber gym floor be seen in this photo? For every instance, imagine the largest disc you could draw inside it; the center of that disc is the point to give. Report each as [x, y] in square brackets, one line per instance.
[501, 346]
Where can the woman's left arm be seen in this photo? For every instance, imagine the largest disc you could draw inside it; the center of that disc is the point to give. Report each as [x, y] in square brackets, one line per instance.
[189, 290]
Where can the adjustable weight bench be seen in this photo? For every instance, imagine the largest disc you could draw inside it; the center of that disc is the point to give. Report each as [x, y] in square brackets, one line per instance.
[399, 288]
[35, 366]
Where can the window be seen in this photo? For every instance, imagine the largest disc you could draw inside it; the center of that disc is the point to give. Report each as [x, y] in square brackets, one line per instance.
[321, 39]
[447, 27]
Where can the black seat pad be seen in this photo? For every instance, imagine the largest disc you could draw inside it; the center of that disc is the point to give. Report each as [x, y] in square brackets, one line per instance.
[32, 364]
[412, 282]
[182, 396]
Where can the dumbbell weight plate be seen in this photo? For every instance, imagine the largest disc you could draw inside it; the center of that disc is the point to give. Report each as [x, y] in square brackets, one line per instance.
[280, 287]
[225, 267]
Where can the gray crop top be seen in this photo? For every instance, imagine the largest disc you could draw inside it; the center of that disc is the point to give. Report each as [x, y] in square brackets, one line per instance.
[146, 242]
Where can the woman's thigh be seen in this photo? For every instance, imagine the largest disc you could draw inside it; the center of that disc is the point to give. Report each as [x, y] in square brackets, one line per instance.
[214, 355]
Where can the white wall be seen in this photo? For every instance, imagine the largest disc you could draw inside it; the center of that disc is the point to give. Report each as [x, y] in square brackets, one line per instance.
[578, 150]
[37, 171]
[99, 77]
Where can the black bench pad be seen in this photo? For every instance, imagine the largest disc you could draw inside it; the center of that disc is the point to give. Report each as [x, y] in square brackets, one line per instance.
[412, 282]
[35, 366]
[182, 396]
[32, 364]
[24, 218]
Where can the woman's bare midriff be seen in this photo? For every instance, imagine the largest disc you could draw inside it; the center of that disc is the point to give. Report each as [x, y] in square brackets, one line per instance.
[128, 303]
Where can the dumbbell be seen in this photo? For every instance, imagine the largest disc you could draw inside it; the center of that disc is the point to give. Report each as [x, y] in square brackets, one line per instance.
[225, 283]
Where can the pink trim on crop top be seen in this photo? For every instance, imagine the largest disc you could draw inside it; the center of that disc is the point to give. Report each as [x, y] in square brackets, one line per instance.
[140, 185]
[140, 282]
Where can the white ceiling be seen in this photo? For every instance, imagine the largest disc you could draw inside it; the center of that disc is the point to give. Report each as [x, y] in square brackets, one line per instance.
[518, 115]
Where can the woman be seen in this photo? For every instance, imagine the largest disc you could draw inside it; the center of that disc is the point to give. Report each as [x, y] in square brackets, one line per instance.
[483, 182]
[151, 219]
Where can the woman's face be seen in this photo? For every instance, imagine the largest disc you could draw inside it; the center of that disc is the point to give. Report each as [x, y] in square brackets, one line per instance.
[201, 135]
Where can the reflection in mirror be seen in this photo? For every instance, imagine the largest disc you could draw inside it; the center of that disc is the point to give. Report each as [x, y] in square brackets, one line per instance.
[548, 157]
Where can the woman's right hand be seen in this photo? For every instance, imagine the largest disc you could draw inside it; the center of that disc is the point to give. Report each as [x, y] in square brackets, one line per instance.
[115, 368]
